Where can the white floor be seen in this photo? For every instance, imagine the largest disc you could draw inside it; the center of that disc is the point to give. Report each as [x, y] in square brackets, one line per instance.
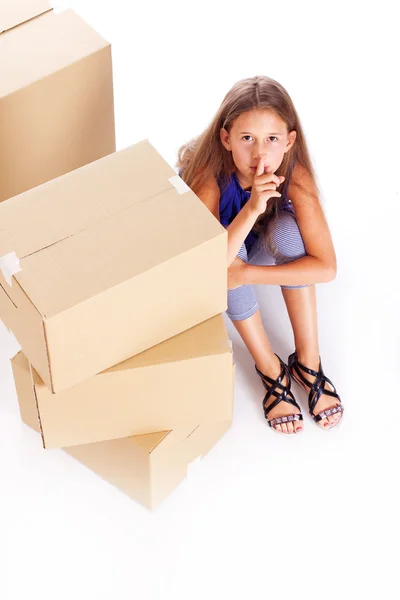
[313, 516]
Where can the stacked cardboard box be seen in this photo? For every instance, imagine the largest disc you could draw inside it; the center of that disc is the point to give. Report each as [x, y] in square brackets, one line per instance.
[172, 385]
[112, 274]
[113, 280]
[56, 95]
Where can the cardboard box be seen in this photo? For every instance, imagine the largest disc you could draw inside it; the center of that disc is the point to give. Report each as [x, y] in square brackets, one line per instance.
[149, 467]
[105, 262]
[146, 467]
[56, 95]
[186, 380]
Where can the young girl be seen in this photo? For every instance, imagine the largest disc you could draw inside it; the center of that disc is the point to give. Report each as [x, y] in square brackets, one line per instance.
[252, 169]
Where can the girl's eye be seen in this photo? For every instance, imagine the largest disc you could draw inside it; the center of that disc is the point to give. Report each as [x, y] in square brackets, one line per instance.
[247, 138]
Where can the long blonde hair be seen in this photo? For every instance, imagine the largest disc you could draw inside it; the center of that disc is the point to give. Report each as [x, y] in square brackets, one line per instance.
[205, 156]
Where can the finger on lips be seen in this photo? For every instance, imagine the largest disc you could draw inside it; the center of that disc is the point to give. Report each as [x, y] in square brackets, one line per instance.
[260, 166]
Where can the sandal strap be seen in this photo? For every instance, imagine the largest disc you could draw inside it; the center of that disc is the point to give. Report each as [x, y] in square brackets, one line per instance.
[276, 388]
[283, 398]
[295, 366]
[307, 369]
[265, 379]
[318, 387]
[328, 412]
[287, 419]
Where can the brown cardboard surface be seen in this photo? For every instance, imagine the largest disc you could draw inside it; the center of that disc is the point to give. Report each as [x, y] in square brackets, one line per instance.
[110, 251]
[84, 198]
[179, 383]
[146, 476]
[68, 36]
[16, 12]
[56, 100]
[149, 471]
[100, 251]
[25, 391]
[146, 467]
[27, 323]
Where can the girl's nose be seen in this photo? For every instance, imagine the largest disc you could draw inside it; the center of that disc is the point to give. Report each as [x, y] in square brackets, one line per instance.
[259, 155]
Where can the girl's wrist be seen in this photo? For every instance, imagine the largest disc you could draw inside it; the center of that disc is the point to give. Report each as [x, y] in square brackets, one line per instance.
[251, 210]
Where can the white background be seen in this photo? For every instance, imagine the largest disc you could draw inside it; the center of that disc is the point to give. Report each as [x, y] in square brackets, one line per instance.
[313, 516]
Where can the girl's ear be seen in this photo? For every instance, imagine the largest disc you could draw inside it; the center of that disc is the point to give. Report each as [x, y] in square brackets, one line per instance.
[224, 135]
[291, 139]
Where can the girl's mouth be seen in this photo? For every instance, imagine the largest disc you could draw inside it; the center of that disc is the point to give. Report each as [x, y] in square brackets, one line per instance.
[254, 169]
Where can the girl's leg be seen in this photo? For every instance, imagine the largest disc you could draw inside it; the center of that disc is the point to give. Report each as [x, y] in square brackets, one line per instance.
[244, 312]
[255, 338]
[287, 245]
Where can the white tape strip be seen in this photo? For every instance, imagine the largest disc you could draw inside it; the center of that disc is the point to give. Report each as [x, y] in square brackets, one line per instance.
[230, 344]
[58, 7]
[193, 467]
[178, 183]
[9, 265]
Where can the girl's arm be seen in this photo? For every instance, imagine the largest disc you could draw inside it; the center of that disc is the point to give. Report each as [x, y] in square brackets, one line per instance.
[319, 266]
[240, 227]
[302, 271]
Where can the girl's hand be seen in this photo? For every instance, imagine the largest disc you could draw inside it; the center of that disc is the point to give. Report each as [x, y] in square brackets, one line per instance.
[236, 273]
[263, 188]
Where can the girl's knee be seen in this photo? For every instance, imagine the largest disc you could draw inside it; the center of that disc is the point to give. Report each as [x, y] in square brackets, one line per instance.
[243, 253]
[284, 239]
[242, 303]
[295, 287]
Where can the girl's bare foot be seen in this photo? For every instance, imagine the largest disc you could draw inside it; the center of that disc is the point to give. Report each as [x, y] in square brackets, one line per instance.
[272, 369]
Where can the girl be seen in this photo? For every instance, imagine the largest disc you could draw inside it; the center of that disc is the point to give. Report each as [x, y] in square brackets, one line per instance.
[237, 167]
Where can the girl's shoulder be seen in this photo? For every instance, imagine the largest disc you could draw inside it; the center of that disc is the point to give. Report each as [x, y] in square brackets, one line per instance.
[302, 178]
[209, 194]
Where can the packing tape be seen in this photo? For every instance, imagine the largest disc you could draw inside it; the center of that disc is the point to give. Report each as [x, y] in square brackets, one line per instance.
[178, 183]
[58, 7]
[9, 265]
[193, 466]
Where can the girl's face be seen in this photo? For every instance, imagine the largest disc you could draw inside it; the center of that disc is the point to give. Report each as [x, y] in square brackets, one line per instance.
[259, 132]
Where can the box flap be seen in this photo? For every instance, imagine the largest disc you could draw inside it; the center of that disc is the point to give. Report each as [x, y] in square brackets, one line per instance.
[25, 391]
[100, 226]
[15, 12]
[79, 200]
[44, 46]
[150, 441]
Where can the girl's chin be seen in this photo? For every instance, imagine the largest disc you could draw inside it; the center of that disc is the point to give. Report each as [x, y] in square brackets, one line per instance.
[245, 180]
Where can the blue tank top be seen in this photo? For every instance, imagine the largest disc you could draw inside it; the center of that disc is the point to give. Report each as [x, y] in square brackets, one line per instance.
[233, 198]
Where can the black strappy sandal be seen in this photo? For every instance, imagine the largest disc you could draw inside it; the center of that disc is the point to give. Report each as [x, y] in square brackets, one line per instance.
[316, 390]
[282, 392]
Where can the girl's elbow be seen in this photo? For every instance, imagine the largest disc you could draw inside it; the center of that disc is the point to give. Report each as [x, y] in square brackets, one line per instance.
[326, 269]
[329, 272]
